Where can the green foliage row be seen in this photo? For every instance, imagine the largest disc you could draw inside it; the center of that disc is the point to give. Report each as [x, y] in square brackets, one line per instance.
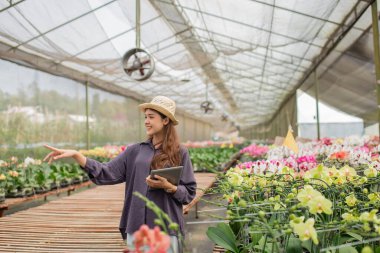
[211, 158]
[17, 181]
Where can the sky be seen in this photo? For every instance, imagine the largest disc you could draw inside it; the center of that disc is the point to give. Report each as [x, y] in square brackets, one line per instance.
[307, 112]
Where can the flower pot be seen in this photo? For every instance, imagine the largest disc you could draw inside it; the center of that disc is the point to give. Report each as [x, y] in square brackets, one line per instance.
[53, 186]
[27, 192]
[64, 184]
[14, 194]
[85, 178]
[76, 181]
[41, 190]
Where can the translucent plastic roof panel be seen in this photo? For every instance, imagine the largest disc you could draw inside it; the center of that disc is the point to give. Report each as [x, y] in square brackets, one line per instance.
[251, 54]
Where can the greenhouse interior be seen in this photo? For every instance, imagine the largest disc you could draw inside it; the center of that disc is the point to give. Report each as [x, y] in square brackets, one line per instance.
[190, 126]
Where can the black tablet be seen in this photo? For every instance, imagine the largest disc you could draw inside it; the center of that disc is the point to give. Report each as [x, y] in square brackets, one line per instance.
[172, 174]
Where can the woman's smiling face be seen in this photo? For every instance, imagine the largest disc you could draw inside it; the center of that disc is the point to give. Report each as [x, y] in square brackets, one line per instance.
[154, 123]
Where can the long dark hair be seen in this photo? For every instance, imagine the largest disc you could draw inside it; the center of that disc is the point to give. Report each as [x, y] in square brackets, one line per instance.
[170, 147]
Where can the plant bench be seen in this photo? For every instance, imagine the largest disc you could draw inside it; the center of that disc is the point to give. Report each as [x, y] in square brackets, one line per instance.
[13, 202]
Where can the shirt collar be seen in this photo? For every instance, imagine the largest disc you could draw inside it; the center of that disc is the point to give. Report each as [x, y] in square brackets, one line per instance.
[148, 141]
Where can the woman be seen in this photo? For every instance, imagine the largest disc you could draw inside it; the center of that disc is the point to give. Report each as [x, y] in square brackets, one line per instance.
[161, 150]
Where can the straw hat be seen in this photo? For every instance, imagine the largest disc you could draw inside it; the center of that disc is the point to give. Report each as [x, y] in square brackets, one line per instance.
[162, 104]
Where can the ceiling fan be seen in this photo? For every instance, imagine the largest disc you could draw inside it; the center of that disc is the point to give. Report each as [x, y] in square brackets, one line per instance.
[207, 106]
[224, 117]
[137, 63]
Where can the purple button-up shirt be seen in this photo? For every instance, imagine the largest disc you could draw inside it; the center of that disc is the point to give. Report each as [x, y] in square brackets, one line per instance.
[132, 167]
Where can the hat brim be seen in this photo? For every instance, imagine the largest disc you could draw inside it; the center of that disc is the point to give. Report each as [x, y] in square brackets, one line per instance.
[160, 109]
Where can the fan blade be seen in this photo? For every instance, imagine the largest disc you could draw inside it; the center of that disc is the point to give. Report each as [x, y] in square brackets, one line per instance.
[142, 71]
[145, 62]
[130, 70]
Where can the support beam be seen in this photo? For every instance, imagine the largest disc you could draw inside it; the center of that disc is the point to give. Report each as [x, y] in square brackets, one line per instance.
[375, 28]
[316, 84]
[87, 120]
[10, 6]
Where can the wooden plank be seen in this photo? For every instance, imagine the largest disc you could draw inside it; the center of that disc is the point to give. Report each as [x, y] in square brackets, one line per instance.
[218, 249]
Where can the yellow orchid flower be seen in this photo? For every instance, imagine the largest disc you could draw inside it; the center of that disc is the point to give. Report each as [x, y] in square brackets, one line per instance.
[351, 200]
[306, 230]
[347, 172]
[377, 229]
[235, 179]
[306, 194]
[374, 197]
[320, 205]
[349, 217]
[332, 172]
[369, 216]
[340, 180]
[262, 182]
[370, 172]
[327, 179]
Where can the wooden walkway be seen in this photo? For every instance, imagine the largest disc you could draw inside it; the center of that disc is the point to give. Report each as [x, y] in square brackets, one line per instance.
[84, 222]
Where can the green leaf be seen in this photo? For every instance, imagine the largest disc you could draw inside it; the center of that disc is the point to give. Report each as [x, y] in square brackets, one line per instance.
[223, 236]
[294, 245]
[256, 238]
[307, 245]
[348, 249]
[377, 249]
[356, 236]
[343, 239]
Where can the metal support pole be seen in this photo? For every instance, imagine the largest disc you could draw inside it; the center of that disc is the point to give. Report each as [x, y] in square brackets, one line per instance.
[316, 84]
[184, 128]
[196, 130]
[138, 23]
[87, 120]
[375, 28]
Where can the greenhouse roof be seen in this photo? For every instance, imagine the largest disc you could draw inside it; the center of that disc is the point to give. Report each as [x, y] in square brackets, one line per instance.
[251, 54]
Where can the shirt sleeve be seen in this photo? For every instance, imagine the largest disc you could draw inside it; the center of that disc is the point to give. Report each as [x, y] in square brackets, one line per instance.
[186, 188]
[112, 172]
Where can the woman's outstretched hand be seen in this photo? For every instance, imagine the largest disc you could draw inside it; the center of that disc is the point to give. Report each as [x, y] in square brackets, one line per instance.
[56, 154]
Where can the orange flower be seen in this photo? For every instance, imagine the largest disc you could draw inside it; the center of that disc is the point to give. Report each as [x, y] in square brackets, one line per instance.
[342, 155]
[157, 241]
[13, 173]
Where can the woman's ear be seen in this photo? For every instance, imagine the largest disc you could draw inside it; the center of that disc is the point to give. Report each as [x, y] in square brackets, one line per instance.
[166, 121]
